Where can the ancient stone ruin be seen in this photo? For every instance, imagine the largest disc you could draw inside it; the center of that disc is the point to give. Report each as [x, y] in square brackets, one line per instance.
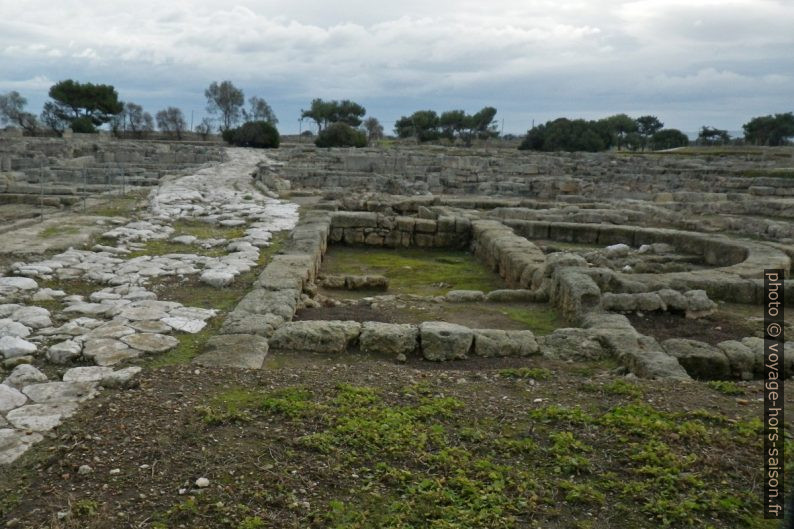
[602, 241]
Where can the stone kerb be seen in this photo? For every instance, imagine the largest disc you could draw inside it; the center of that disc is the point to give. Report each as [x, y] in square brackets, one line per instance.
[279, 288]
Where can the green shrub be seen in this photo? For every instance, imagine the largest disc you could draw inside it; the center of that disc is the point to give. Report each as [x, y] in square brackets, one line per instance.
[258, 134]
[228, 135]
[83, 125]
[341, 135]
[669, 139]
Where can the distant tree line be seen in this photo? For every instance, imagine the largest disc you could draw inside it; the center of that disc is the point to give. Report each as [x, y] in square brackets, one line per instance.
[84, 107]
[619, 131]
[427, 125]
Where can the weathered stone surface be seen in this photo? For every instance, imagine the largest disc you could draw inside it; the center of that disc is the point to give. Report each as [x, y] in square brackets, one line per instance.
[388, 338]
[217, 278]
[18, 283]
[151, 326]
[10, 398]
[24, 374]
[574, 293]
[700, 359]
[282, 303]
[9, 327]
[698, 304]
[122, 378]
[511, 296]
[41, 417]
[234, 350]
[495, 342]
[14, 443]
[465, 296]
[316, 336]
[150, 342]
[13, 346]
[366, 282]
[673, 299]
[108, 352]
[185, 324]
[87, 374]
[55, 392]
[333, 282]
[33, 317]
[238, 322]
[572, 344]
[64, 352]
[142, 314]
[741, 359]
[110, 330]
[652, 362]
[445, 341]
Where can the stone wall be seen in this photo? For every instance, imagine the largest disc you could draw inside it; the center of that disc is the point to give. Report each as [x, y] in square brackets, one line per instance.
[67, 166]
[375, 229]
[407, 170]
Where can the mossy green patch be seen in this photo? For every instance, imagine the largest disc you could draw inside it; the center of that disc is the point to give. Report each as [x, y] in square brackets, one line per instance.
[58, 230]
[161, 247]
[118, 206]
[540, 319]
[536, 373]
[725, 387]
[206, 230]
[424, 272]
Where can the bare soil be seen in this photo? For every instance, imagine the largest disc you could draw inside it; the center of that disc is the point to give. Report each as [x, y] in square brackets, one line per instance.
[147, 447]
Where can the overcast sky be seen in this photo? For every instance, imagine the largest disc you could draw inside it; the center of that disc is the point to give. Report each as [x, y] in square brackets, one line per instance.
[689, 62]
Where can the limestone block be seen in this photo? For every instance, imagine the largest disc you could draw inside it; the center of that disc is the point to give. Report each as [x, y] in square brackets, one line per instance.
[495, 342]
[388, 338]
[701, 360]
[316, 336]
[445, 341]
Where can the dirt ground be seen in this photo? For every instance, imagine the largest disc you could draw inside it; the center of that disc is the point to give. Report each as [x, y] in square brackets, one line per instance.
[277, 449]
[729, 322]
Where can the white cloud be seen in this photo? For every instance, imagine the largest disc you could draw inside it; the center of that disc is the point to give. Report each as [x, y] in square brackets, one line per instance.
[559, 54]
